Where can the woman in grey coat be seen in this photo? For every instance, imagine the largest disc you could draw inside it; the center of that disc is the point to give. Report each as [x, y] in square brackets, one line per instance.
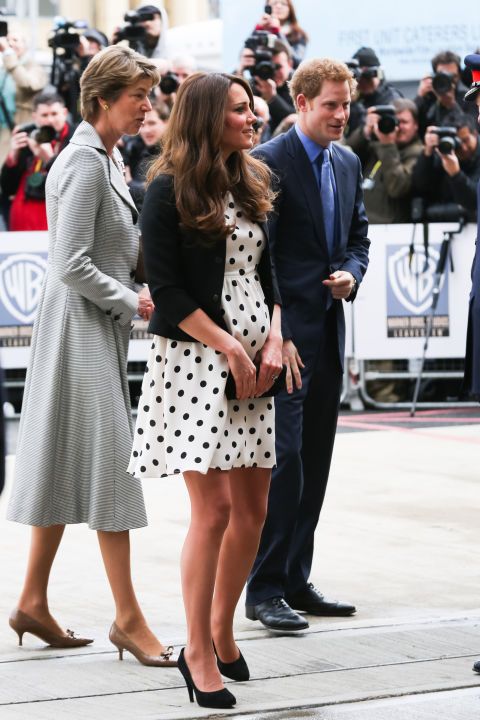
[76, 430]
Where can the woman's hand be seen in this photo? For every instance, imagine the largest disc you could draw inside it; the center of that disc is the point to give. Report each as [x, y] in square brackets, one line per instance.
[270, 363]
[243, 371]
[145, 304]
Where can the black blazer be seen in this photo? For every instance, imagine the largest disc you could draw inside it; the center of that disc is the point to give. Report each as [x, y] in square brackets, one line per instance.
[182, 273]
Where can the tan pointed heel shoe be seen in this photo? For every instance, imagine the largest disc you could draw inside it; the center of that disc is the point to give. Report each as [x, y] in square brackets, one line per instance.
[23, 623]
[123, 642]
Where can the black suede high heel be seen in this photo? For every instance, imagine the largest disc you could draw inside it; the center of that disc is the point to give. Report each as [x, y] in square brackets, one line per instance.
[215, 699]
[236, 670]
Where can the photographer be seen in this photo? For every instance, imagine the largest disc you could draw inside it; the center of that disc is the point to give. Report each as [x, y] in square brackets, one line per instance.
[372, 88]
[388, 147]
[139, 150]
[274, 90]
[153, 21]
[280, 18]
[28, 76]
[449, 168]
[24, 172]
[440, 98]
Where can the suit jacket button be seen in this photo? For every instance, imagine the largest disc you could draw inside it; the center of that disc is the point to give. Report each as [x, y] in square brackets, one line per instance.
[218, 259]
[215, 298]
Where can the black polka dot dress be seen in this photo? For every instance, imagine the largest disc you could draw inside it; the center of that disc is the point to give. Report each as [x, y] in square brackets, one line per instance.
[184, 420]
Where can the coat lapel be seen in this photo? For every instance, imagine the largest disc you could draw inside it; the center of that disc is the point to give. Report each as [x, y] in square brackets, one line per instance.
[86, 134]
[307, 182]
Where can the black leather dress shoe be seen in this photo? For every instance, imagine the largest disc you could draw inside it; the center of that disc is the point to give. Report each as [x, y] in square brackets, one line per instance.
[476, 666]
[313, 602]
[275, 614]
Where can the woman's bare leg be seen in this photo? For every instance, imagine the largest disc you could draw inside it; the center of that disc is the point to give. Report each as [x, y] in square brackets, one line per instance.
[249, 497]
[210, 510]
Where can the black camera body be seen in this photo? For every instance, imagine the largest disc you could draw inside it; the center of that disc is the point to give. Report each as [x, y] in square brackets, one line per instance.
[448, 140]
[262, 43]
[442, 82]
[368, 73]
[388, 118]
[43, 134]
[63, 37]
[133, 32]
[169, 83]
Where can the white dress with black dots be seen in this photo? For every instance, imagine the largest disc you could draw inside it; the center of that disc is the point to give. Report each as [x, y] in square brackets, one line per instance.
[184, 420]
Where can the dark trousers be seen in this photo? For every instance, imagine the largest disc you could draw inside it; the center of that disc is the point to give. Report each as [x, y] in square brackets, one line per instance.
[305, 428]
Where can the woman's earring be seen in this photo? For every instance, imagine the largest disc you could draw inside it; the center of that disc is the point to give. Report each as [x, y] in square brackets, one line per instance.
[106, 107]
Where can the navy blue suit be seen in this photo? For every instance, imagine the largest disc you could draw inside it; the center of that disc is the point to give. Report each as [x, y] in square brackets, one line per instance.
[472, 358]
[306, 420]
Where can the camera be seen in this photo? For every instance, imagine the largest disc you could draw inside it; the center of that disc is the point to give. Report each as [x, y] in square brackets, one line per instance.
[133, 31]
[63, 37]
[354, 67]
[442, 82]
[388, 118]
[169, 83]
[448, 140]
[262, 43]
[368, 73]
[44, 134]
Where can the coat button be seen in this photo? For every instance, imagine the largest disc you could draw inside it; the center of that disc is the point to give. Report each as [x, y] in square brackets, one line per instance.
[108, 312]
[215, 298]
[132, 273]
[116, 317]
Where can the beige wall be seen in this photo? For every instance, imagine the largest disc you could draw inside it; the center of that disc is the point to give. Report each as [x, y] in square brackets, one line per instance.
[108, 14]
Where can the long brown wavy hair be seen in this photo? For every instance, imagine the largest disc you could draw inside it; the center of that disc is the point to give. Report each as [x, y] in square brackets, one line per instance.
[192, 153]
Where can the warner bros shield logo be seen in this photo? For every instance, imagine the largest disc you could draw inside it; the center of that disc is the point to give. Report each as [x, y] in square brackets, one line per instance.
[409, 292]
[21, 278]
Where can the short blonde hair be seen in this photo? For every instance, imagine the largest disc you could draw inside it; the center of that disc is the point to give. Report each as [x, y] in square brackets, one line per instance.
[108, 73]
[310, 75]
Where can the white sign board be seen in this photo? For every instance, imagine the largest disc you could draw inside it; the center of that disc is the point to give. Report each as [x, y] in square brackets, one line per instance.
[396, 295]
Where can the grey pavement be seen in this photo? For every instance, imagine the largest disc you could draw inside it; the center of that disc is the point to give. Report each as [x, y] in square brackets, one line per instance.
[398, 537]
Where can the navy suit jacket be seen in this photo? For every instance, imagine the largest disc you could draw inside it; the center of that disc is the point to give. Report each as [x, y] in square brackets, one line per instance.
[297, 236]
[472, 356]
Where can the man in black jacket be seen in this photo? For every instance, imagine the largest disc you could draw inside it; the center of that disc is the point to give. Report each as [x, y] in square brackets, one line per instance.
[372, 88]
[275, 92]
[440, 98]
[451, 177]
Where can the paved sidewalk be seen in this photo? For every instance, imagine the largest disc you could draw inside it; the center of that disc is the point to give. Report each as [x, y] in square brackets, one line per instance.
[398, 537]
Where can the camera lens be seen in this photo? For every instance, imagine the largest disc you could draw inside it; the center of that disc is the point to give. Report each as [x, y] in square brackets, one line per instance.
[169, 83]
[446, 145]
[44, 134]
[387, 124]
[264, 70]
[442, 82]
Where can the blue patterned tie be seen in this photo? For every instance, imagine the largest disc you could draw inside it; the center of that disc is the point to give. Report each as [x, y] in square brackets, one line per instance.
[327, 195]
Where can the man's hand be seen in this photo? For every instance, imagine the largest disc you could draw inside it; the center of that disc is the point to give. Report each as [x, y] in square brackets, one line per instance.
[371, 121]
[269, 23]
[4, 44]
[425, 86]
[266, 88]
[430, 141]
[450, 163]
[44, 151]
[341, 284]
[293, 363]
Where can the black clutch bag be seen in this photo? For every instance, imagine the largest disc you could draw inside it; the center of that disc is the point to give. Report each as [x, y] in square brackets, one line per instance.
[278, 385]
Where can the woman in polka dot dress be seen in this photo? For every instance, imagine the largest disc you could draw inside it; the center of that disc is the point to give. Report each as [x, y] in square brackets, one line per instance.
[216, 312]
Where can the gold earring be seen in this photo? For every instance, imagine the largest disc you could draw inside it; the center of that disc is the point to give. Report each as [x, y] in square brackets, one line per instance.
[105, 107]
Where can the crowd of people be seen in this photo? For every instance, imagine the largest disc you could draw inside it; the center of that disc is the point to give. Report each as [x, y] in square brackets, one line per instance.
[401, 146]
[255, 230]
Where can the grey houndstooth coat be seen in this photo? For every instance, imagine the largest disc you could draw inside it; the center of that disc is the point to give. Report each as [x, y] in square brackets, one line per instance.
[75, 432]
